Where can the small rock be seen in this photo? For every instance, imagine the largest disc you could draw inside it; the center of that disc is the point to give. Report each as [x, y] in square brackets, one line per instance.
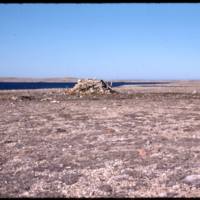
[26, 97]
[8, 141]
[45, 99]
[192, 179]
[162, 194]
[106, 188]
[194, 92]
[14, 98]
[61, 165]
[19, 146]
[63, 149]
[171, 194]
[142, 153]
[61, 130]
[54, 101]
[148, 142]
[70, 179]
[175, 187]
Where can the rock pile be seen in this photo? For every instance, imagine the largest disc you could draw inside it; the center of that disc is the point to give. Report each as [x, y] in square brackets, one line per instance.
[91, 87]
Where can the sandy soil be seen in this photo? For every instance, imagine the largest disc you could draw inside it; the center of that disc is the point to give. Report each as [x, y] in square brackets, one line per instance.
[143, 142]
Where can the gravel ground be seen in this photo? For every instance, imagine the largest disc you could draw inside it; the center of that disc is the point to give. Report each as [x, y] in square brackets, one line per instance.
[143, 142]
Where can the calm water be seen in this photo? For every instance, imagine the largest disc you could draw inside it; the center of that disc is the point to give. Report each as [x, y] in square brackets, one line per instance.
[46, 85]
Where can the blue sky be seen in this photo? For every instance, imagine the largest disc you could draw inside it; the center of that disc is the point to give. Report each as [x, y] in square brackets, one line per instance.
[110, 41]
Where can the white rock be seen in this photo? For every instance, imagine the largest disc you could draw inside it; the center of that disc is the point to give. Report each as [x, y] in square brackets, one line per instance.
[54, 101]
[192, 179]
[162, 194]
[194, 92]
[14, 98]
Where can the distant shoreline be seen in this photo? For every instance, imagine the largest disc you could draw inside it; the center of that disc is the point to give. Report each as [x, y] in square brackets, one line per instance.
[24, 79]
[73, 79]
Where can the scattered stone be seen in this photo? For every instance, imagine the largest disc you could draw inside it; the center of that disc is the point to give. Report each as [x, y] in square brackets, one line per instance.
[60, 130]
[193, 180]
[106, 188]
[162, 194]
[46, 99]
[171, 194]
[142, 153]
[8, 141]
[19, 145]
[148, 142]
[54, 101]
[70, 179]
[29, 98]
[90, 87]
[194, 92]
[14, 98]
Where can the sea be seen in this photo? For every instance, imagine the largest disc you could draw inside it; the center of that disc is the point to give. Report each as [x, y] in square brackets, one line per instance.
[52, 85]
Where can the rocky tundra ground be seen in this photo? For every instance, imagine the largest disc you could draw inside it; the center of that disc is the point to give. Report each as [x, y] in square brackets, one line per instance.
[143, 141]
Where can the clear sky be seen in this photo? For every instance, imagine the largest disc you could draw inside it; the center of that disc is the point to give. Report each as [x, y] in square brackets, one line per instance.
[110, 41]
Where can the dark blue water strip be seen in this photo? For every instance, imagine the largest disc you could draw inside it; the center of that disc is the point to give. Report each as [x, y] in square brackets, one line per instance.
[51, 85]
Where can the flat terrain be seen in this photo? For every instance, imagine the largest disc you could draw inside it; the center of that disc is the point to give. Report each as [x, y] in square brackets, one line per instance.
[143, 142]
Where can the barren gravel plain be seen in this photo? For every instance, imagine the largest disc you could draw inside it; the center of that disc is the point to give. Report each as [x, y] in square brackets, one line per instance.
[142, 142]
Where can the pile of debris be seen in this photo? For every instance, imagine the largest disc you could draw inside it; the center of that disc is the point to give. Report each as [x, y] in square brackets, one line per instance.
[91, 87]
